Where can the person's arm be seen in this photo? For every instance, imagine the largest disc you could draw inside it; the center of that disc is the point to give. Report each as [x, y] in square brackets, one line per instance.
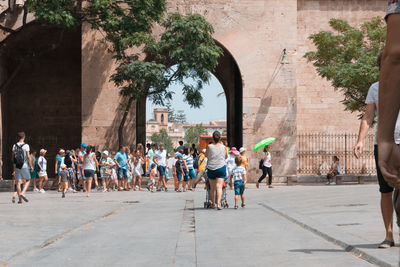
[13, 158]
[389, 104]
[155, 160]
[38, 163]
[116, 163]
[365, 124]
[186, 167]
[56, 167]
[245, 178]
[95, 161]
[207, 149]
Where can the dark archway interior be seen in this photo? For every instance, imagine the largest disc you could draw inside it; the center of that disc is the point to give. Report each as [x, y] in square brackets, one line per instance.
[228, 74]
[44, 99]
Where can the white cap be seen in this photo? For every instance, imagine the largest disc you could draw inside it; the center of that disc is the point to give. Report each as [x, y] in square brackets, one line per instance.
[105, 152]
[63, 166]
[204, 150]
[242, 149]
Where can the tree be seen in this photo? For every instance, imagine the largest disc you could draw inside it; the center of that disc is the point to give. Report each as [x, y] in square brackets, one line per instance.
[146, 64]
[193, 134]
[163, 138]
[171, 112]
[180, 117]
[348, 58]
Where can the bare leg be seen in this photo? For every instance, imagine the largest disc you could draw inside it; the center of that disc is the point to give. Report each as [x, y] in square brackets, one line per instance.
[213, 186]
[26, 185]
[237, 200]
[220, 181]
[387, 214]
[89, 185]
[389, 104]
[242, 197]
[19, 190]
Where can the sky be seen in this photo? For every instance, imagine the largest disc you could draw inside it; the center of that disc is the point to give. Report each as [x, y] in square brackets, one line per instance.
[214, 108]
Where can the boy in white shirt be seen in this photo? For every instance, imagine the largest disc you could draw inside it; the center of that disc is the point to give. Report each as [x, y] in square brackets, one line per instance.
[239, 180]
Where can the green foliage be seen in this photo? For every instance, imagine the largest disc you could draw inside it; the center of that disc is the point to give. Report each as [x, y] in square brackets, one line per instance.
[163, 138]
[193, 134]
[180, 117]
[347, 58]
[171, 112]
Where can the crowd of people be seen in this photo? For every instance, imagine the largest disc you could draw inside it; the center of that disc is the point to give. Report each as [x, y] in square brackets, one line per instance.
[85, 169]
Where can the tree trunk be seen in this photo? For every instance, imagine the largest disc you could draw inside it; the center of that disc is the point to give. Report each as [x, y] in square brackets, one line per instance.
[122, 124]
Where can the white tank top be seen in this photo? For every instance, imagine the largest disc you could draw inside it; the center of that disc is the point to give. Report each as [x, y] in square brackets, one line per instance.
[216, 156]
[89, 163]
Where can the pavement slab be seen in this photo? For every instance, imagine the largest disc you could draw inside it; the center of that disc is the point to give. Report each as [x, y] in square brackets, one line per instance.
[173, 229]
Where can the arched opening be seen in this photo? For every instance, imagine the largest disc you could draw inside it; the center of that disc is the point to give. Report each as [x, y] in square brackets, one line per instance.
[228, 74]
[44, 98]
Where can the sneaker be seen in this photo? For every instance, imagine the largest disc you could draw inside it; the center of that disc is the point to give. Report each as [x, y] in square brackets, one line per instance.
[159, 190]
[333, 183]
[42, 191]
[35, 190]
[166, 190]
[70, 189]
[63, 195]
[24, 198]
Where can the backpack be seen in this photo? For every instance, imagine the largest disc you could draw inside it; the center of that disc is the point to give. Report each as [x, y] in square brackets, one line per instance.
[261, 164]
[19, 157]
[68, 161]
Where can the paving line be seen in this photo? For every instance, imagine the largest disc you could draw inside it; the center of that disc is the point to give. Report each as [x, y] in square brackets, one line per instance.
[53, 240]
[346, 247]
[185, 250]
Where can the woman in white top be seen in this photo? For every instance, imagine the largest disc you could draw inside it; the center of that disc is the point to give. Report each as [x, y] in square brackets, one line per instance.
[90, 166]
[138, 170]
[266, 168]
[42, 163]
[216, 168]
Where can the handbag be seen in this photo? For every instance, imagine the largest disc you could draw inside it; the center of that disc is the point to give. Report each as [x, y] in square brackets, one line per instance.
[107, 172]
[261, 164]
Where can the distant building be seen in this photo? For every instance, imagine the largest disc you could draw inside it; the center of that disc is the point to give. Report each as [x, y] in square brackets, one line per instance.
[176, 131]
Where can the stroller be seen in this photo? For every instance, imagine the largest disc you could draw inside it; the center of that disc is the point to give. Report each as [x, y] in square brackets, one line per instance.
[208, 202]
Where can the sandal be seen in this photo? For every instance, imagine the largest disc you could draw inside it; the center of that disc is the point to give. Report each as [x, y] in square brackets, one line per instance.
[243, 205]
[386, 244]
[13, 200]
[236, 207]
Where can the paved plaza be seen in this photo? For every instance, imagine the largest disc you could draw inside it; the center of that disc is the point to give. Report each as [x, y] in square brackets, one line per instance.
[284, 226]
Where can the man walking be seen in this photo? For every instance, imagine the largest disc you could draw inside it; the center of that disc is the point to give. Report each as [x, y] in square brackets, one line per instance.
[385, 189]
[22, 165]
[121, 160]
[160, 159]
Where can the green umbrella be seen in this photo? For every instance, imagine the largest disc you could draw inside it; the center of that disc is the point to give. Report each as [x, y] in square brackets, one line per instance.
[264, 143]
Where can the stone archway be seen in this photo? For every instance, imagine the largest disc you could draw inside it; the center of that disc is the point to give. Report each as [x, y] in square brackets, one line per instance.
[228, 74]
[44, 99]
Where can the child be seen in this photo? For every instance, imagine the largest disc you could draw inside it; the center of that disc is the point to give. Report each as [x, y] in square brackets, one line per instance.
[180, 165]
[334, 170]
[152, 179]
[239, 179]
[64, 175]
[245, 160]
[42, 164]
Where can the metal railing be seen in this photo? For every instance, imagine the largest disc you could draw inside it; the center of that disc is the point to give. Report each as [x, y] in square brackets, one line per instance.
[315, 152]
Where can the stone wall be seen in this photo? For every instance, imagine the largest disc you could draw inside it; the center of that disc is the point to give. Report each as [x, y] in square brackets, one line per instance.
[318, 105]
[255, 33]
[102, 106]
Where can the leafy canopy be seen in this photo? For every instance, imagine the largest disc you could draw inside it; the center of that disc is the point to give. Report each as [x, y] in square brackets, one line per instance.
[192, 135]
[348, 58]
[163, 138]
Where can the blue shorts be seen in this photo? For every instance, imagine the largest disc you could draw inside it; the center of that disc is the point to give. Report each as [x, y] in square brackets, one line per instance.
[218, 173]
[186, 176]
[161, 170]
[23, 173]
[122, 172]
[89, 173]
[239, 188]
[192, 174]
[179, 176]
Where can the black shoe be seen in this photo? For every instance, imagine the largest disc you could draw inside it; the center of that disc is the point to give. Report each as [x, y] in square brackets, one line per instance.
[243, 205]
[24, 198]
[63, 195]
[236, 207]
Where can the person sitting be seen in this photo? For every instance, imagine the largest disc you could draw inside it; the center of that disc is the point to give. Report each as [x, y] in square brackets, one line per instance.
[335, 170]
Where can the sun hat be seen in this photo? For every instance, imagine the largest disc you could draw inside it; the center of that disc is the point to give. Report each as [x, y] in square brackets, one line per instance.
[233, 150]
[63, 166]
[43, 151]
[105, 152]
[242, 149]
[178, 155]
[84, 145]
[61, 151]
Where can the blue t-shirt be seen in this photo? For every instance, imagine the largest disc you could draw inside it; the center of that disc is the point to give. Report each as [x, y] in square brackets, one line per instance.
[121, 158]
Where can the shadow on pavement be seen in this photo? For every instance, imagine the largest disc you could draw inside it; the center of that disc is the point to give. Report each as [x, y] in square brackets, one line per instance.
[310, 251]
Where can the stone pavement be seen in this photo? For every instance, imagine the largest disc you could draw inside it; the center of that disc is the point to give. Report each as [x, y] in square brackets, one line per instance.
[284, 226]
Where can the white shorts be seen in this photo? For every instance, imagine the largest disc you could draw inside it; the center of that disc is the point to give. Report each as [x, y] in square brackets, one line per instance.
[22, 173]
[42, 173]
